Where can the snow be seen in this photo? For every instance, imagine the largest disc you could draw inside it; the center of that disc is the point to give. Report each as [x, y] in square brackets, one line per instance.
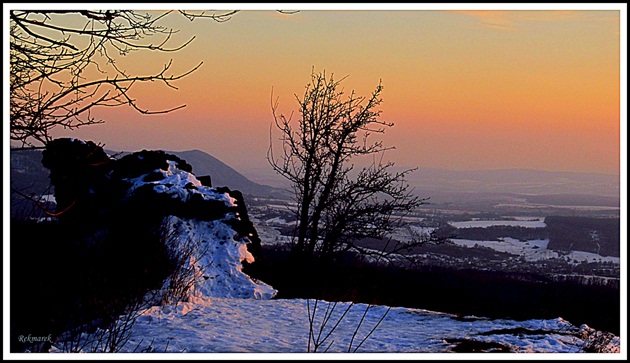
[536, 250]
[532, 250]
[229, 325]
[276, 220]
[582, 256]
[538, 223]
[229, 312]
[174, 182]
[218, 260]
[215, 248]
[47, 198]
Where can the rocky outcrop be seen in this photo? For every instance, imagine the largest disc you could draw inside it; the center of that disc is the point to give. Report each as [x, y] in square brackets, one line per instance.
[98, 194]
[78, 173]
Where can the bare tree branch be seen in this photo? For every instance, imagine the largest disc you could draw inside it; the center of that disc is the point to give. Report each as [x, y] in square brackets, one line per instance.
[220, 18]
[63, 63]
[336, 205]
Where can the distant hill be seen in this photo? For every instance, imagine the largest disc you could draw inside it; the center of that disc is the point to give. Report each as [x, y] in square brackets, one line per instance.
[223, 175]
[28, 177]
[535, 186]
[28, 174]
[515, 181]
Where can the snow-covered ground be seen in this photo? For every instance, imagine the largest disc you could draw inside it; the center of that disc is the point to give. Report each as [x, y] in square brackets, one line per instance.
[228, 312]
[277, 220]
[536, 250]
[531, 250]
[270, 235]
[229, 325]
[536, 223]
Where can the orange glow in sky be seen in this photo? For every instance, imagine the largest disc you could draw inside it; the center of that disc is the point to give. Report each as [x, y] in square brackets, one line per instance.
[465, 89]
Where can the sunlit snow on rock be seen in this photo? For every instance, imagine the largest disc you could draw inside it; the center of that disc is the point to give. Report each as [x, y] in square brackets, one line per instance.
[219, 264]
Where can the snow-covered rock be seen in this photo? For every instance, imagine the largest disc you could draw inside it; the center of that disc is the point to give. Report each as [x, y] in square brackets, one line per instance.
[217, 260]
[195, 220]
[209, 226]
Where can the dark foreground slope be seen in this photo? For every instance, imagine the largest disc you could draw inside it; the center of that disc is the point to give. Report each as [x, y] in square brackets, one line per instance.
[471, 291]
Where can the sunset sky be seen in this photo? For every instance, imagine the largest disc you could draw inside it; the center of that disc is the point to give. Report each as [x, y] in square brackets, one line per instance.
[466, 89]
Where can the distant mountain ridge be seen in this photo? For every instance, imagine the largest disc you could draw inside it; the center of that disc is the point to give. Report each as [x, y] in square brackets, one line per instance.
[426, 181]
[27, 173]
[518, 181]
[224, 175]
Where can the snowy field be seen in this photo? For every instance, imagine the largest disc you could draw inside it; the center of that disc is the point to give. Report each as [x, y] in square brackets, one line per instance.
[270, 235]
[530, 223]
[229, 325]
[536, 250]
[531, 250]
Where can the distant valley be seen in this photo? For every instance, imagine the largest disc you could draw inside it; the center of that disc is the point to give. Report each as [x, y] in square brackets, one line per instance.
[522, 229]
[542, 192]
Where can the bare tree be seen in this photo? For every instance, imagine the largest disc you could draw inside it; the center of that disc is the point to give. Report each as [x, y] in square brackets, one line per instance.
[63, 63]
[337, 205]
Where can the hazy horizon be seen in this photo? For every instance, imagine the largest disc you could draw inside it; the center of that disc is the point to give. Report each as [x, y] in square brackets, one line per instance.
[512, 180]
[467, 90]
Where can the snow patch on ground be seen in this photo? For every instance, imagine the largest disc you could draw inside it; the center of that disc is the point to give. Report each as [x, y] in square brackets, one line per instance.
[532, 250]
[488, 223]
[223, 325]
[536, 250]
[578, 257]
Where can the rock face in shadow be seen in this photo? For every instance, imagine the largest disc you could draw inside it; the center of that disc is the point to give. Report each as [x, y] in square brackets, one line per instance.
[94, 191]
